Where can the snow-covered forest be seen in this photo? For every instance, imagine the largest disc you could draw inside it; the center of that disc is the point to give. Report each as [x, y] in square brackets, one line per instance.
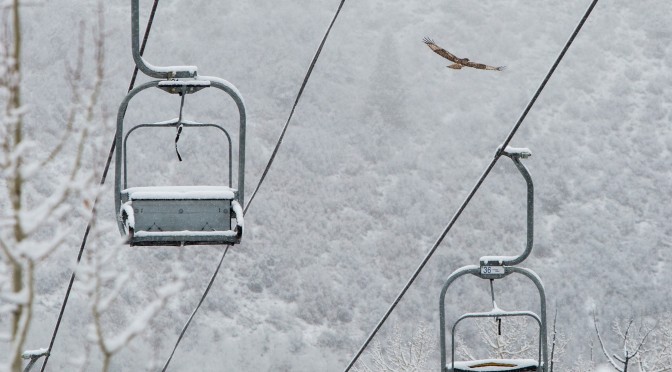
[384, 146]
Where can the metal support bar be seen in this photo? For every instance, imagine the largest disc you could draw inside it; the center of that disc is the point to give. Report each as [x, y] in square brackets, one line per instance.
[470, 269]
[498, 315]
[168, 72]
[173, 124]
[515, 260]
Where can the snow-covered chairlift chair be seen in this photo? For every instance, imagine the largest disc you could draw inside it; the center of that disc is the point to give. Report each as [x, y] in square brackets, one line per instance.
[180, 215]
[177, 215]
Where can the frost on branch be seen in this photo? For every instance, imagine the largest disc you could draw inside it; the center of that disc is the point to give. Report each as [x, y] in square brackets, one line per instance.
[41, 188]
[644, 345]
[101, 280]
[510, 339]
[399, 355]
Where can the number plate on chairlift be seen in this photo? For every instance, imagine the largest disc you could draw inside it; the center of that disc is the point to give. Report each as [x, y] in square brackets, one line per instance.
[492, 270]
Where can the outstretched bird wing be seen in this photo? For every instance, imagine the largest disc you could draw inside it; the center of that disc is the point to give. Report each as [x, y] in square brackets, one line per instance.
[440, 51]
[481, 66]
[461, 61]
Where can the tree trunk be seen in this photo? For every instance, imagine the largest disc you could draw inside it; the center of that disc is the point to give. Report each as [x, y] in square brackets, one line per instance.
[17, 329]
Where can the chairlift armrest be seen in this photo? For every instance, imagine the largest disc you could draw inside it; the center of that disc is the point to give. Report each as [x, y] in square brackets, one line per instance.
[240, 221]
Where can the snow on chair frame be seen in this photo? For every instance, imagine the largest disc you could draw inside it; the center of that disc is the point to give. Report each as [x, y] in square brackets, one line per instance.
[180, 215]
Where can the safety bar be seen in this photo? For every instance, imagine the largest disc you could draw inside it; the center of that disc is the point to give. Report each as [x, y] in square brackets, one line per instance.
[173, 124]
[494, 314]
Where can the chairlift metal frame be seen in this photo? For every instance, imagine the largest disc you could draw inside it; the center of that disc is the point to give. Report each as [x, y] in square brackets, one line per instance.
[168, 72]
[205, 216]
[494, 268]
[121, 180]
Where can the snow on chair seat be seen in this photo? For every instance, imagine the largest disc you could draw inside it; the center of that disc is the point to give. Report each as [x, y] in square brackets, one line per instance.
[181, 215]
[179, 192]
[496, 365]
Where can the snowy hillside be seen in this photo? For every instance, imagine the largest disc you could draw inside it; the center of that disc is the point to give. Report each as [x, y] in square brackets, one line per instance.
[384, 147]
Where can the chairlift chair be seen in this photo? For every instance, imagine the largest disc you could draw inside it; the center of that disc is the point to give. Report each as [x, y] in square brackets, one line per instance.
[177, 215]
[494, 365]
[494, 268]
[180, 215]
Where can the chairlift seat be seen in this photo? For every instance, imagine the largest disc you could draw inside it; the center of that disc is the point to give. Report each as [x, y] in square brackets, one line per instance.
[496, 365]
[181, 215]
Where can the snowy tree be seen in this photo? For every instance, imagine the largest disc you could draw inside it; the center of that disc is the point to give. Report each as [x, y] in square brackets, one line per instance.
[558, 344]
[34, 226]
[399, 355]
[582, 364]
[510, 338]
[644, 346]
[31, 224]
[103, 284]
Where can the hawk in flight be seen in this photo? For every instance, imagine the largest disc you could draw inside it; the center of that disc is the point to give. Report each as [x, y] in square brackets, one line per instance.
[458, 63]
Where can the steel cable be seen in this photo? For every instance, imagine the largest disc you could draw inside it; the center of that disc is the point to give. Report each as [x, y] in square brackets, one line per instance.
[266, 169]
[191, 317]
[296, 102]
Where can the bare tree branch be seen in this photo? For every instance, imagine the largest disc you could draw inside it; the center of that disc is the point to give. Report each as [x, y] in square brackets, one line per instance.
[604, 349]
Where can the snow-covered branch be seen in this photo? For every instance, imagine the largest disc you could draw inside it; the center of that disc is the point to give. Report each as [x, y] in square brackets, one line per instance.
[398, 355]
[604, 349]
[35, 224]
[103, 284]
[644, 347]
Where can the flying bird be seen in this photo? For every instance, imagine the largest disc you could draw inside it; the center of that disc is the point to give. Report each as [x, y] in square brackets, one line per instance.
[458, 62]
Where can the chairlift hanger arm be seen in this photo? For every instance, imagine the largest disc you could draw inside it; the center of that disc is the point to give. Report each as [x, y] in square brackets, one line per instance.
[168, 72]
[515, 154]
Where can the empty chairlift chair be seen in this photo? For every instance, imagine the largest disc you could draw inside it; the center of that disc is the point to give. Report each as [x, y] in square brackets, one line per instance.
[495, 268]
[180, 215]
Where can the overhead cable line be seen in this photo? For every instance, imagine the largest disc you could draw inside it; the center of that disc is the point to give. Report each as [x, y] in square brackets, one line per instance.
[207, 289]
[482, 178]
[263, 176]
[296, 102]
[95, 202]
